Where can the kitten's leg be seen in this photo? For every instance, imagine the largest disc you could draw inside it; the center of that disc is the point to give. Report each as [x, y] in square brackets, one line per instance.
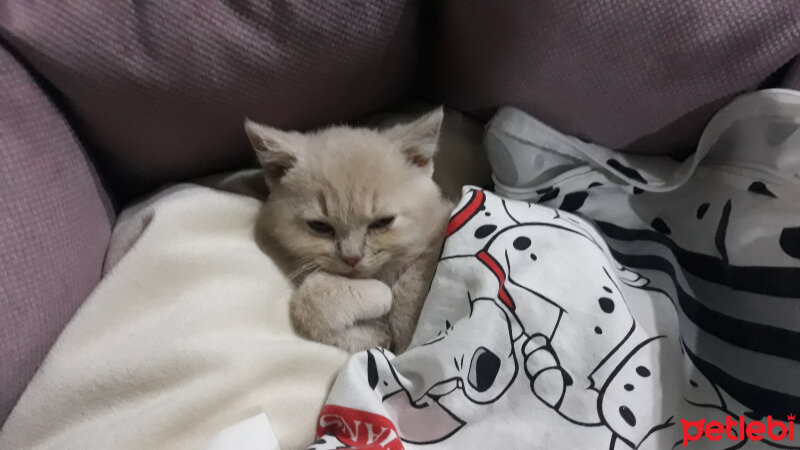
[348, 313]
[409, 293]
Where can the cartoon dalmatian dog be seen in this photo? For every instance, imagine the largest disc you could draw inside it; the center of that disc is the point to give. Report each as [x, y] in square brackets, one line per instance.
[489, 276]
[532, 271]
[531, 317]
[477, 394]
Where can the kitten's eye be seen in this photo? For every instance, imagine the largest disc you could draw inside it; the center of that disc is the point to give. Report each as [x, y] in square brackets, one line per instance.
[381, 223]
[320, 227]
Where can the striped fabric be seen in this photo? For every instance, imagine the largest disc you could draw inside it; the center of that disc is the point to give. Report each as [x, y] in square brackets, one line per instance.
[718, 233]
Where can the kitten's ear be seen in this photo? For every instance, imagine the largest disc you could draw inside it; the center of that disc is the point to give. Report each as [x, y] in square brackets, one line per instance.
[419, 139]
[276, 150]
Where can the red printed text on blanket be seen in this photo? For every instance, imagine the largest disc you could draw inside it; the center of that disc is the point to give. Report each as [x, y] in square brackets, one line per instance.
[359, 429]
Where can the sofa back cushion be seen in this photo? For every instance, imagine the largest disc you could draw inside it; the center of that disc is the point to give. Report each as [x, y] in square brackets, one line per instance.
[639, 75]
[161, 88]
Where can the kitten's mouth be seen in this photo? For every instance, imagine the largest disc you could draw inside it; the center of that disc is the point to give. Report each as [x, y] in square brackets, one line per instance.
[356, 272]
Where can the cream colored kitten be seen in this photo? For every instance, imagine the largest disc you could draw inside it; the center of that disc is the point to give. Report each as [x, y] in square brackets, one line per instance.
[358, 220]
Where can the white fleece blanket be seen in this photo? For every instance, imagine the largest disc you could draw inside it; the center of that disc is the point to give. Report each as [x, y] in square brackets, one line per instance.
[187, 334]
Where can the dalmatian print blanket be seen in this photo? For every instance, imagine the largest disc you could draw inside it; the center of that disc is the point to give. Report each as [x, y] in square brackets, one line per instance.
[602, 301]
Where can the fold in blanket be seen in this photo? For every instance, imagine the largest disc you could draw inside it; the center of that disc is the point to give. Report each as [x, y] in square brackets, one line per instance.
[604, 301]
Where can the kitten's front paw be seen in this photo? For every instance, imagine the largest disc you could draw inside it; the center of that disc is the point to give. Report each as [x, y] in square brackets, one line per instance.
[348, 313]
[373, 297]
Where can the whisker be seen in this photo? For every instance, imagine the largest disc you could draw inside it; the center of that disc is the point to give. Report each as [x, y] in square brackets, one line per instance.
[304, 266]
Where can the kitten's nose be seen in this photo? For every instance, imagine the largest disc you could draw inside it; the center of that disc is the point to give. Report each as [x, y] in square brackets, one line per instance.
[351, 260]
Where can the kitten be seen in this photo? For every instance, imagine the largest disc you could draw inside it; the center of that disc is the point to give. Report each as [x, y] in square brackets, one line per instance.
[358, 220]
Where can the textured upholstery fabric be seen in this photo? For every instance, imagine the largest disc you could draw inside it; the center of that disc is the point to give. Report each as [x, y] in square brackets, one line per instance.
[639, 75]
[162, 88]
[54, 227]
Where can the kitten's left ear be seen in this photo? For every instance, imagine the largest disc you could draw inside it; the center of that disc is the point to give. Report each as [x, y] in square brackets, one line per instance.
[419, 139]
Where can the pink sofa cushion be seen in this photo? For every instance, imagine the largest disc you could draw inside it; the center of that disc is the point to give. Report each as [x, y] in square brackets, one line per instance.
[55, 222]
[162, 88]
[639, 75]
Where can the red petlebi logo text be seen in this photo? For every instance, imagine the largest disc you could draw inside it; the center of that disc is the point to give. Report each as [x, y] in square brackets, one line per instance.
[737, 430]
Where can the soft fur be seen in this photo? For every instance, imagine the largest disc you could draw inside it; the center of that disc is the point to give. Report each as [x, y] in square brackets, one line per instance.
[353, 194]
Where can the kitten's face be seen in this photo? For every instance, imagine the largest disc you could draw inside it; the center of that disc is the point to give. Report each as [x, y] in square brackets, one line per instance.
[352, 201]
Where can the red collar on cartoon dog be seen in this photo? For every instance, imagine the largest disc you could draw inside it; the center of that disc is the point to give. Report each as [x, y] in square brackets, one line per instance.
[494, 266]
[469, 210]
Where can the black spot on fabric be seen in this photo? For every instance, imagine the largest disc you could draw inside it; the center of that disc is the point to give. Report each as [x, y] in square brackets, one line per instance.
[594, 184]
[722, 230]
[643, 371]
[573, 201]
[627, 171]
[637, 191]
[521, 243]
[483, 369]
[701, 210]
[484, 230]
[487, 214]
[372, 371]
[606, 304]
[598, 330]
[628, 387]
[627, 415]
[385, 383]
[567, 378]
[533, 257]
[607, 289]
[481, 208]
[790, 241]
[549, 194]
[758, 187]
[693, 383]
[447, 324]
[659, 225]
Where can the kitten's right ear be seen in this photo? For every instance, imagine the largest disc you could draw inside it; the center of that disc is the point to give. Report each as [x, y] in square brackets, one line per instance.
[276, 150]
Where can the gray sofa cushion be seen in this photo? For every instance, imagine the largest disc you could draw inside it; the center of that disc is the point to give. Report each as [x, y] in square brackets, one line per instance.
[641, 75]
[55, 223]
[162, 88]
